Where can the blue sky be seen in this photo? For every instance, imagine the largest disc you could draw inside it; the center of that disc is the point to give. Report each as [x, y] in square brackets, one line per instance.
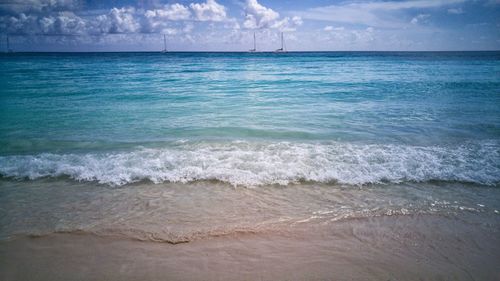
[229, 25]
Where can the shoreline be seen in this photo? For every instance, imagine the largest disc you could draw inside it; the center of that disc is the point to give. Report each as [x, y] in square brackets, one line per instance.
[423, 247]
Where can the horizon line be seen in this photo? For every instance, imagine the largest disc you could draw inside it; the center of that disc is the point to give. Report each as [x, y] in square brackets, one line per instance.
[254, 52]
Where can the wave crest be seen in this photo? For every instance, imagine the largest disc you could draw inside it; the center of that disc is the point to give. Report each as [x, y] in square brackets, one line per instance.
[254, 163]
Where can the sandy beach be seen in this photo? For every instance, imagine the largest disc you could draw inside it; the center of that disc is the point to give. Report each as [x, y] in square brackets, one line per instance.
[420, 247]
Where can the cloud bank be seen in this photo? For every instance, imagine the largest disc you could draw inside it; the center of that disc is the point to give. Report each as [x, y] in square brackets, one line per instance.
[46, 17]
[230, 24]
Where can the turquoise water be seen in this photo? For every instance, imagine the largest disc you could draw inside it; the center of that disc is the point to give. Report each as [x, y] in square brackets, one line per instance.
[251, 119]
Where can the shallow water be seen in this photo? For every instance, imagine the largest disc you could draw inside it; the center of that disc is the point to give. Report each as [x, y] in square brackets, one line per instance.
[177, 213]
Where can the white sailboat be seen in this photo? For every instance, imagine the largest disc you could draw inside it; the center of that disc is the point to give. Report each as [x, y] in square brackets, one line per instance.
[164, 44]
[254, 45]
[283, 48]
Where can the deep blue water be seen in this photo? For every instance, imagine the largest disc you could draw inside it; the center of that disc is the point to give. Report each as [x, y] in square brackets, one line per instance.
[251, 119]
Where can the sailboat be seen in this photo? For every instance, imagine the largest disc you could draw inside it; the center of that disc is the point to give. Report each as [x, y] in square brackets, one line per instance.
[164, 44]
[283, 48]
[9, 50]
[254, 45]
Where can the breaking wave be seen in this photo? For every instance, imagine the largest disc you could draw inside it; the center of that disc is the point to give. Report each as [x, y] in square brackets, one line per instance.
[264, 163]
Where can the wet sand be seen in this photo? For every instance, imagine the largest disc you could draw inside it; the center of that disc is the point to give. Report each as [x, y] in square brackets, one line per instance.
[408, 247]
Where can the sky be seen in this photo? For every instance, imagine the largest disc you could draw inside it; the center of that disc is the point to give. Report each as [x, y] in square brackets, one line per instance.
[229, 25]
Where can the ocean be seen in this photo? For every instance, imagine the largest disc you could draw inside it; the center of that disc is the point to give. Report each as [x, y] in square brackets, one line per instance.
[180, 147]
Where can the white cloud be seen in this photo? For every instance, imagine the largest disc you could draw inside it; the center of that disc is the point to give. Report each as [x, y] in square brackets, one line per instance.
[297, 20]
[169, 12]
[331, 28]
[287, 24]
[60, 23]
[260, 17]
[40, 20]
[121, 20]
[22, 24]
[160, 20]
[209, 11]
[66, 23]
[421, 18]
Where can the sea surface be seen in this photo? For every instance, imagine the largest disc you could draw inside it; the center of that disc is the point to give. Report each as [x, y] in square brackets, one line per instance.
[179, 146]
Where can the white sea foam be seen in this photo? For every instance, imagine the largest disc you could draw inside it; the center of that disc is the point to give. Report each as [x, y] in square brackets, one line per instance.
[254, 163]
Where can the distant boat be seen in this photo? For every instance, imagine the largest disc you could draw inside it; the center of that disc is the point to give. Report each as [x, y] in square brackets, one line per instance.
[254, 45]
[164, 44]
[9, 50]
[283, 48]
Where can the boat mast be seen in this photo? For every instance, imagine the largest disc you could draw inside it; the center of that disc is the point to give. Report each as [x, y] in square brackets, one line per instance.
[8, 45]
[282, 41]
[254, 44]
[282, 49]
